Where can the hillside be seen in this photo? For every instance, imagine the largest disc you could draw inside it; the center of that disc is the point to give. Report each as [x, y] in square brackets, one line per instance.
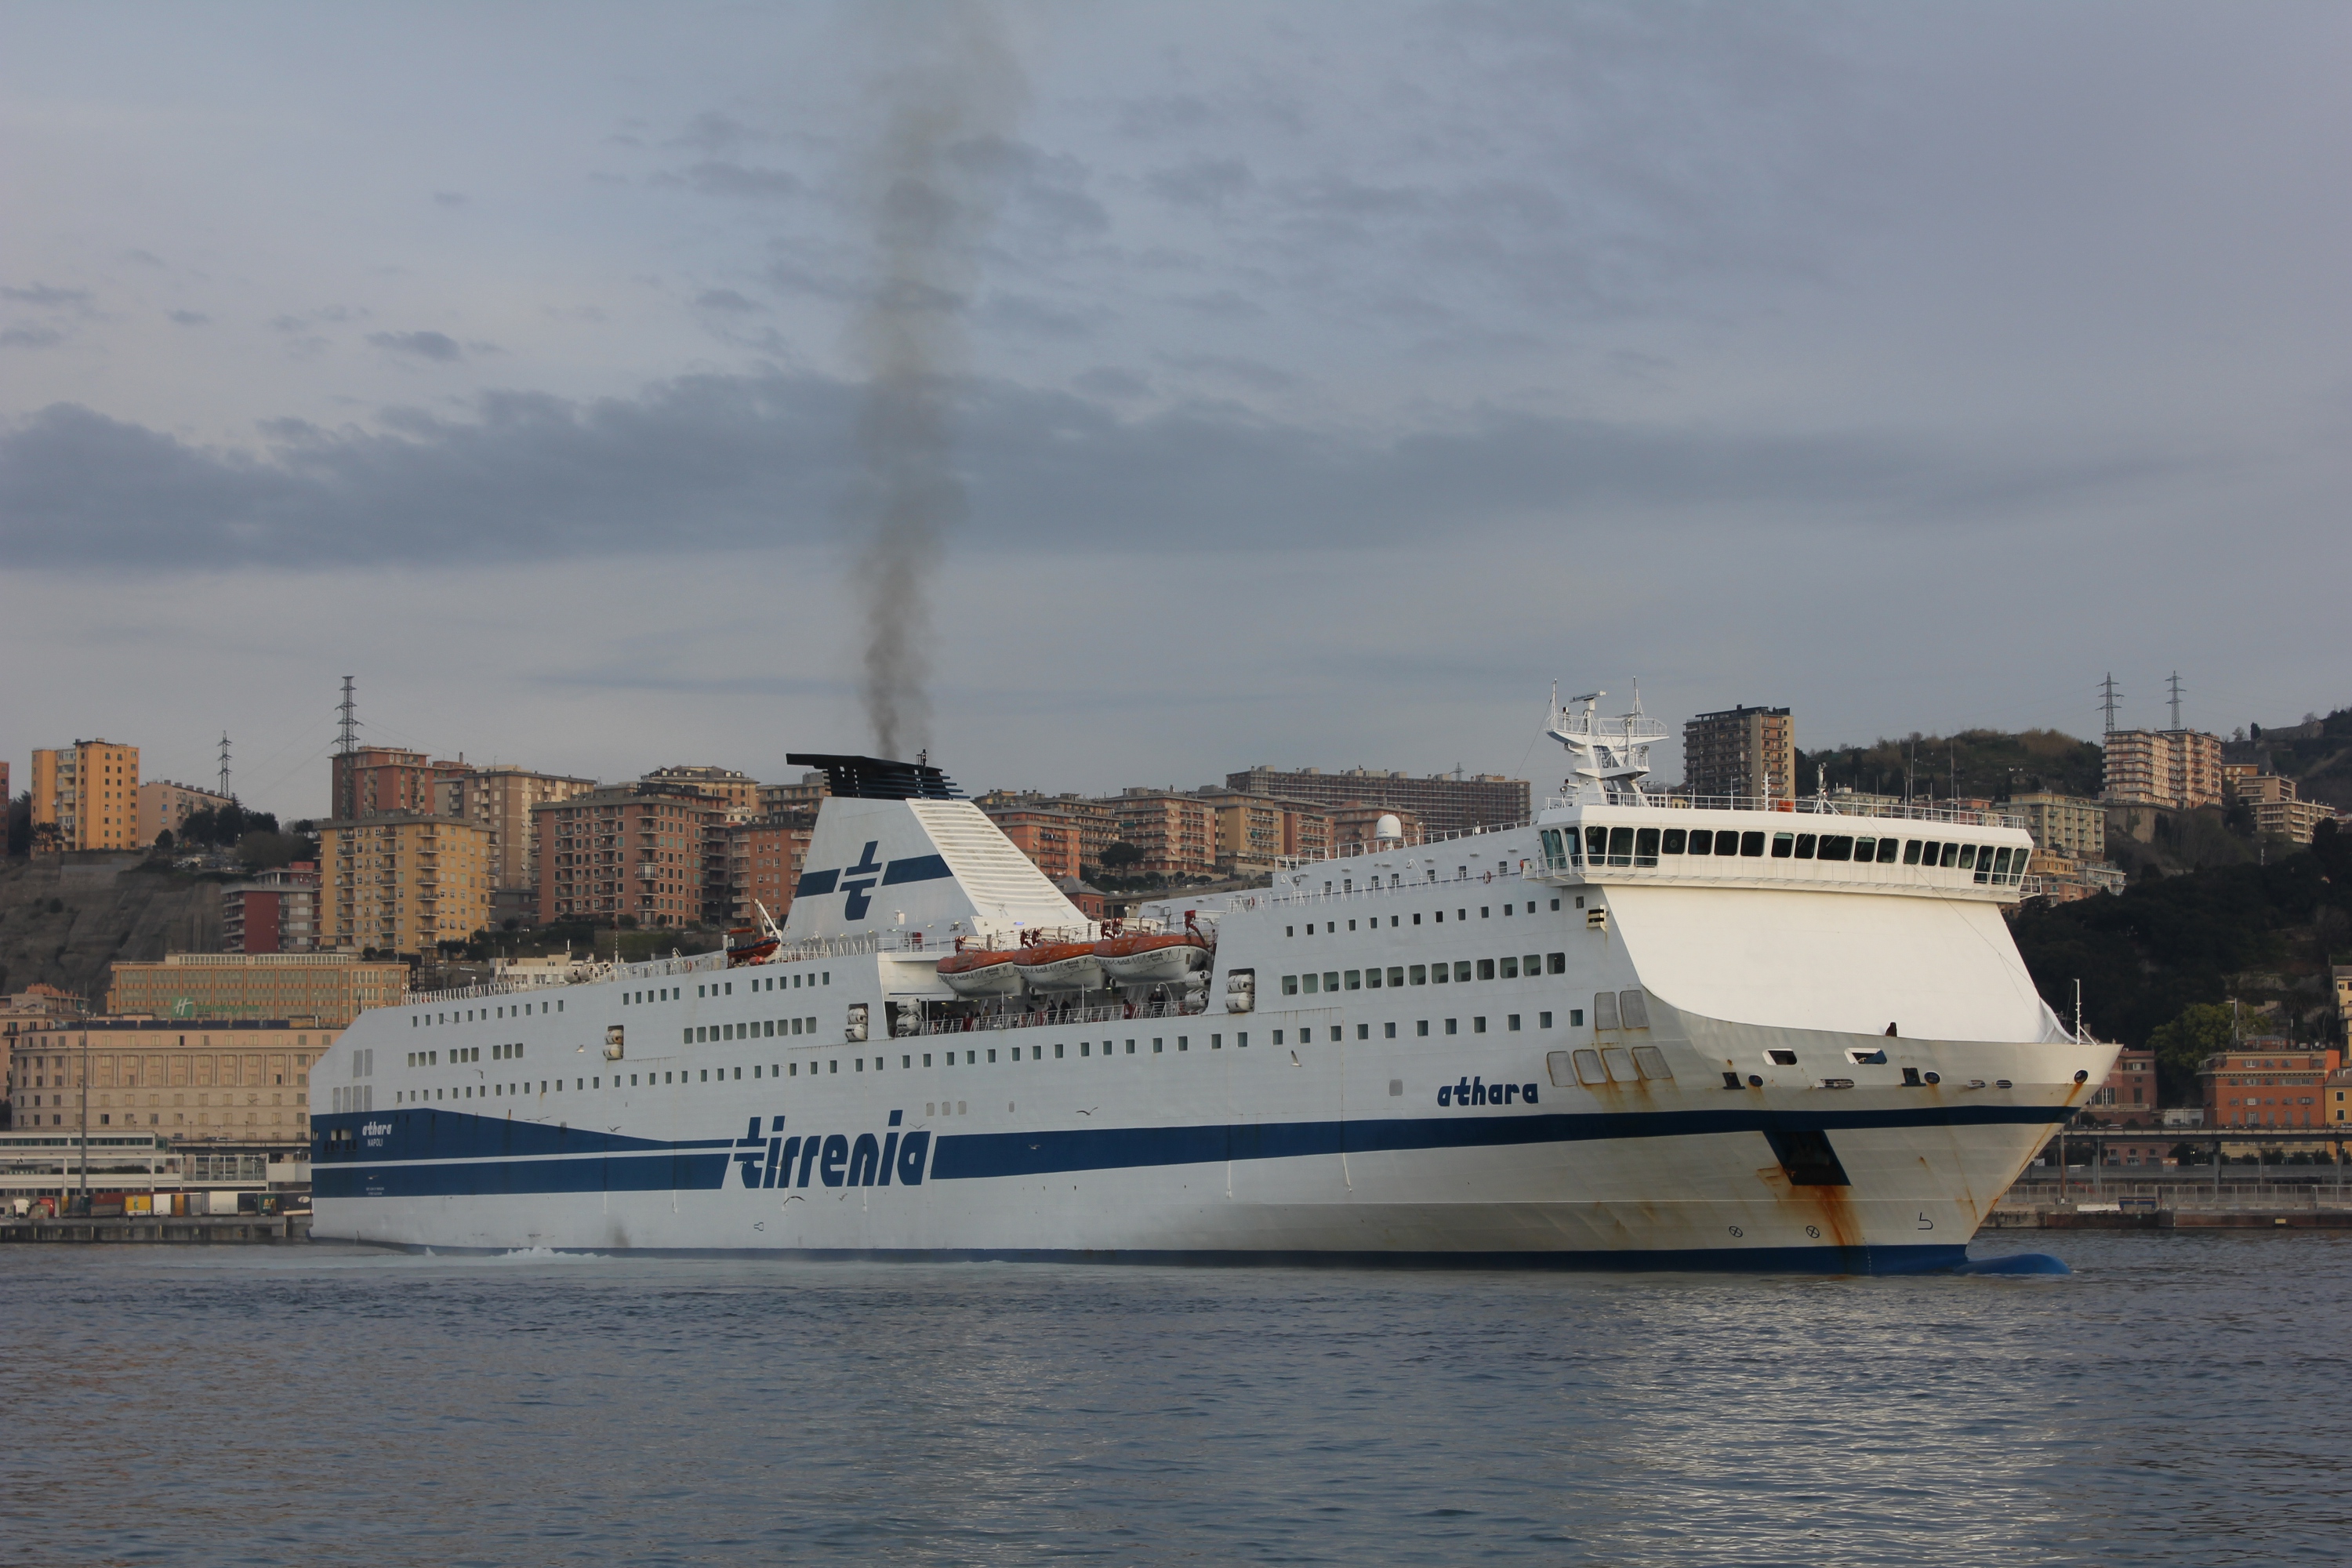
[1987, 762]
[2262, 935]
[2317, 754]
[63, 920]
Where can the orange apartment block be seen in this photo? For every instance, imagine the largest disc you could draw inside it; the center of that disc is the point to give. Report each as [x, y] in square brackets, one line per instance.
[403, 883]
[631, 850]
[2177, 769]
[1175, 832]
[501, 800]
[1052, 839]
[765, 855]
[1354, 826]
[88, 792]
[166, 807]
[2129, 1096]
[375, 781]
[2267, 1082]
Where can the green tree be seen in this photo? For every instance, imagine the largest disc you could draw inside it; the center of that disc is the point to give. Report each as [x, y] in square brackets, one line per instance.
[2202, 1029]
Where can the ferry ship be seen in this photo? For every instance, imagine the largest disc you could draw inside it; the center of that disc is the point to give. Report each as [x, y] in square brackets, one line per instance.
[1640, 1030]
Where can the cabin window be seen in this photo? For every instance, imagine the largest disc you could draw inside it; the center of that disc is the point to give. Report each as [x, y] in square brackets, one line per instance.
[1290, 985]
[1373, 979]
[1805, 845]
[1886, 848]
[1510, 969]
[1701, 841]
[1453, 1027]
[1669, 842]
[1356, 979]
[1555, 964]
[1461, 970]
[1834, 847]
[1645, 847]
[1330, 980]
[1968, 856]
[1439, 973]
[1396, 975]
[1576, 1017]
[1621, 846]
[1485, 969]
[1596, 845]
[1783, 844]
[1952, 856]
[1311, 983]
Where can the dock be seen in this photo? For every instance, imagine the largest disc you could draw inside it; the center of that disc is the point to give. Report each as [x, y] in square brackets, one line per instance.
[199, 1230]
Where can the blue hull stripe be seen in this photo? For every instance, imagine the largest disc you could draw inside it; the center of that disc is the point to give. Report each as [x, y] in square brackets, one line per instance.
[1695, 1260]
[479, 1158]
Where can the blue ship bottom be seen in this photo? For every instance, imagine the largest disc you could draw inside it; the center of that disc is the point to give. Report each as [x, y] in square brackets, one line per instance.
[1848, 1260]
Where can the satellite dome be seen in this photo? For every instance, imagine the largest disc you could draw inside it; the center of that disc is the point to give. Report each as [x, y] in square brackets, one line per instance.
[1388, 826]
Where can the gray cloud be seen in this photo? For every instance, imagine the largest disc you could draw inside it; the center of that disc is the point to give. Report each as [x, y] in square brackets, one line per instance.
[187, 317]
[714, 177]
[726, 300]
[30, 338]
[42, 294]
[721, 463]
[449, 198]
[435, 346]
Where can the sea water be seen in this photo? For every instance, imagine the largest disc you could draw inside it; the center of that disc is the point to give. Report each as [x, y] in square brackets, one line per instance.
[2176, 1398]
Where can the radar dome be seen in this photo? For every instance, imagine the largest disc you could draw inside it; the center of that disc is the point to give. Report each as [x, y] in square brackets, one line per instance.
[1388, 826]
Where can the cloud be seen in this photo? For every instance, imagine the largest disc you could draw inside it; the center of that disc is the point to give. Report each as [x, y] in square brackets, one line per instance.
[188, 317]
[718, 463]
[714, 177]
[435, 346]
[30, 338]
[728, 300]
[449, 198]
[42, 294]
[1200, 182]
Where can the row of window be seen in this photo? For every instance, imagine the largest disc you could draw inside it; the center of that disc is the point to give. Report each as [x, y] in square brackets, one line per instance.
[755, 1029]
[1486, 911]
[482, 1015]
[1464, 970]
[1645, 846]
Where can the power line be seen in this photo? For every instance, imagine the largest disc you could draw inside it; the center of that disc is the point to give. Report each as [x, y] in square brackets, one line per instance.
[2176, 699]
[2107, 707]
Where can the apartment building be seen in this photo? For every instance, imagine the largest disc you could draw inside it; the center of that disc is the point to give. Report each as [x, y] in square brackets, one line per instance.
[377, 781]
[1747, 753]
[765, 856]
[1092, 824]
[276, 911]
[1358, 826]
[2064, 823]
[736, 791]
[1445, 803]
[502, 799]
[2129, 1096]
[1051, 837]
[2176, 769]
[405, 882]
[88, 793]
[802, 797]
[2266, 1082]
[166, 807]
[2272, 798]
[332, 987]
[1174, 832]
[207, 1080]
[639, 852]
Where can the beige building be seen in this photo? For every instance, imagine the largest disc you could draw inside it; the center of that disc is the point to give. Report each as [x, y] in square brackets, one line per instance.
[2064, 823]
[90, 792]
[502, 801]
[165, 806]
[736, 791]
[2272, 798]
[224, 1078]
[1175, 833]
[1743, 753]
[2178, 769]
[332, 987]
[1445, 803]
[398, 883]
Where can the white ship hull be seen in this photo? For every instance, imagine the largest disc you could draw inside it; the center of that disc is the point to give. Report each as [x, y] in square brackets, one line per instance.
[1363, 1111]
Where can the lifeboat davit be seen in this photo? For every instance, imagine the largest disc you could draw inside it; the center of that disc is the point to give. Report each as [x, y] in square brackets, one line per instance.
[747, 944]
[1158, 958]
[982, 972]
[1061, 966]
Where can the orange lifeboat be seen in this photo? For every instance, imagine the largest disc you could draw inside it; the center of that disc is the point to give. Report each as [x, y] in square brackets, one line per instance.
[1060, 966]
[982, 972]
[1158, 958]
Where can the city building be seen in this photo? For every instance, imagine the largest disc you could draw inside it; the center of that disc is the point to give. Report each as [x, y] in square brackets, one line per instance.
[1748, 754]
[1050, 836]
[2064, 823]
[2266, 1082]
[405, 882]
[1249, 835]
[501, 800]
[2177, 769]
[1445, 803]
[1357, 826]
[1094, 822]
[332, 987]
[2129, 1096]
[635, 852]
[2335, 1097]
[2271, 797]
[1173, 832]
[765, 856]
[276, 911]
[738, 790]
[2064, 879]
[377, 781]
[88, 793]
[801, 796]
[238, 1079]
[166, 807]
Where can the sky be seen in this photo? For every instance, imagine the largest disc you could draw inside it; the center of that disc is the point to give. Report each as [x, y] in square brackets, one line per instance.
[1303, 385]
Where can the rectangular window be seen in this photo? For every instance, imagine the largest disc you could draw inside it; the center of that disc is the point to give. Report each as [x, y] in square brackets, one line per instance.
[1865, 851]
[1420, 975]
[1356, 979]
[1311, 983]
[1543, 1020]
[1886, 848]
[1784, 844]
[1968, 856]
[1834, 847]
[1910, 851]
[1278, 1036]
[1485, 969]
[1950, 855]
[1290, 985]
[1421, 1027]
[1805, 841]
[1701, 841]
[1513, 1023]
[1751, 844]
[1478, 1026]
[1461, 971]
[1396, 975]
[1621, 846]
[1387, 1031]
[1450, 1027]
[1330, 980]
[1510, 969]
[1645, 847]
[1669, 842]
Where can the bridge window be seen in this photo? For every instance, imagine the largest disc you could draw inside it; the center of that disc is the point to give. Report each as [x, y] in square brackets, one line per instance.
[1805, 845]
[1834, 847]
[1951, 854]
[1783, 844]
[1596, 845]
[1621, 846]
[1968, 856]
[1886, 848]
[1701, 841]
[1671, 841]
[1645, 847]
[1751, 844]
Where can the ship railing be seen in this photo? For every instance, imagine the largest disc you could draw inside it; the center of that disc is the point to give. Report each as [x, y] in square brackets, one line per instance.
[1052, 1018]
[1395, 846]
[1816, 806]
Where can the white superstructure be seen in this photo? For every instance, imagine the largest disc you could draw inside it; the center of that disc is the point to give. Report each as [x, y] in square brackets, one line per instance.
[1639, 1030]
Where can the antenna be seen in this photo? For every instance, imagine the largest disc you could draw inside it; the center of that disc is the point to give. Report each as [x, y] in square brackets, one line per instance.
[2110, 696]
[225, 794]
[2176, 699]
